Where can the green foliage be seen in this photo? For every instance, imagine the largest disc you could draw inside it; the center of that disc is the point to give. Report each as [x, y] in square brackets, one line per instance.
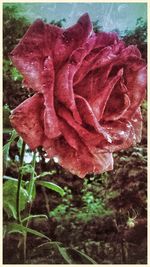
[18, 228]
[69, 255]
[25, 169]
[6, 148]
[59, 23]
[64, 254]
[17, 193]
[12, 137]
[28, 188]
[9, 198]
[5, 177]
[144, 106]
[14, 27]
[129, 179]
[51, 186]
[15, 74]
[140, 32]
[80, 257]
[19, 144]
[59, 212]
[30, 217]
[9, 70]
[7, 128]
[41, 175]
[96, 26]
[31, 189]
[92, 206]
[138, 37]
[73, 256]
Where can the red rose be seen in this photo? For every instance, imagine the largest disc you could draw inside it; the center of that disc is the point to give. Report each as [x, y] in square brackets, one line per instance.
[88, 90]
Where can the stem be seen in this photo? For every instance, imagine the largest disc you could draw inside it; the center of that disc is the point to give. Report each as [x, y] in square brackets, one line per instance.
[19, 183]
[25, 238]
[33, 164]
[124, 252]
[46, 201]
[30, 206]
[32, 178]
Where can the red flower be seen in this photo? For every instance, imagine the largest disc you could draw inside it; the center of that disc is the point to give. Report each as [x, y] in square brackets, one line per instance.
[88, 89]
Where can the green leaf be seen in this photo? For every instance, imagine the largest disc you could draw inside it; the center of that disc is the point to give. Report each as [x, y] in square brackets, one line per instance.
[73, 256]
[18, 228]
[14, 228]
[6, 153]
[28, 168]
[59, 212]
[6, 147]
[70, 255]
[10, 209]
[51, 186]
[44, 249]
[19, 144]
[7, 130]
[9, 178]
[64, 254]
[16, 76]
[30, 217]
[6, 121]
[13, 136]
[9, 198]
[45, 173]
[31, 189]
[5, 177]
[80, 257]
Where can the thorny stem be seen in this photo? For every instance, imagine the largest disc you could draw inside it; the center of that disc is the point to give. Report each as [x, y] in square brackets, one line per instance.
[30, 207]
[19, 183]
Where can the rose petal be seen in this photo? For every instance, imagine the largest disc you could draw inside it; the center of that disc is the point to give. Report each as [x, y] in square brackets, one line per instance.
[131, 50]
[117, 105]
[104, 39]
[51, 126]
[136, 84]
[80, 162]
[88, 116]
[89, 137]
[93, 82]
[99, 101]
[71, 39]
[28, 55]
[137, 122]
[27, 119]
[69, 134]
[122, 134]
[64, 78]
[94, 61]
[42, 40]
[129, 57]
